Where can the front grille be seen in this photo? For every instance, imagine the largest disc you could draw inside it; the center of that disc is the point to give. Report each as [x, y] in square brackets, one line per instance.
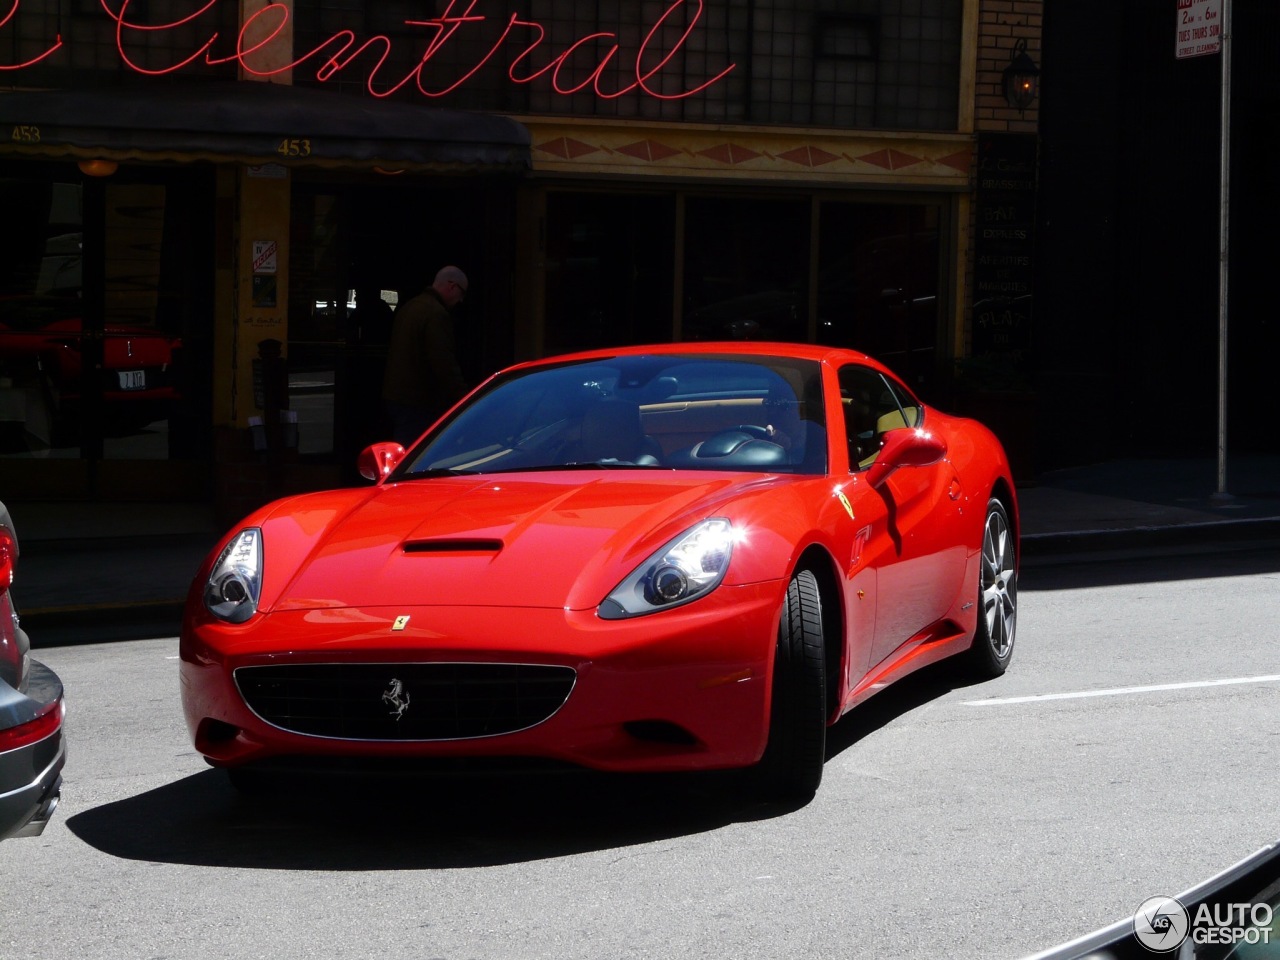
[405, 701]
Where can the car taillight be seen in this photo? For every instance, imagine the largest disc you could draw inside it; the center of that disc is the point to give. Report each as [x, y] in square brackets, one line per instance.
[8, 557]
[44, 724]
[10, 653]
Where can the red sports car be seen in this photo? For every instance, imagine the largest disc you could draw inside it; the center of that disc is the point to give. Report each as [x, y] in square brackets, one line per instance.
[687, 556]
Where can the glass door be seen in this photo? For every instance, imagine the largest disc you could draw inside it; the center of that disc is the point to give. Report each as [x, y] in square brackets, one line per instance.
[105, 324]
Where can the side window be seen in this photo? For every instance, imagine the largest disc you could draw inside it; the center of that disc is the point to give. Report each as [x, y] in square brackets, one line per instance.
[872, 407]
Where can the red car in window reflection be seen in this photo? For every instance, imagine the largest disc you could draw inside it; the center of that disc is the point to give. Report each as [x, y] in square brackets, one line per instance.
[43, 355]
[687, 556]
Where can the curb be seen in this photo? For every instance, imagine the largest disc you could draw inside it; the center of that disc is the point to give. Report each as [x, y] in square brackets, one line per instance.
[101, 622]
[1256, 531]
[71, 626]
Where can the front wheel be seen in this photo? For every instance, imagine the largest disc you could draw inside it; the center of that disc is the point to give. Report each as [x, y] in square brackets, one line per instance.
[997, 597]
[792, 765]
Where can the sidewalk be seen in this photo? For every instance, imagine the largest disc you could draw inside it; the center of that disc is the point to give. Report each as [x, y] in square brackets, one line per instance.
[86, 563]
[1134, 504]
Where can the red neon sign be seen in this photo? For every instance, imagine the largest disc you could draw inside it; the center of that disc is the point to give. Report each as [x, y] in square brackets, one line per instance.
[18, 66]
[337, 52]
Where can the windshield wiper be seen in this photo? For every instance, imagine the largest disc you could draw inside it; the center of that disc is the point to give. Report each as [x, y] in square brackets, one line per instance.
[586, 465]
[439, 472]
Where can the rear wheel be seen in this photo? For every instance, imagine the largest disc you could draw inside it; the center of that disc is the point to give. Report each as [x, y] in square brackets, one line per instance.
[793, 760]
[997, 597]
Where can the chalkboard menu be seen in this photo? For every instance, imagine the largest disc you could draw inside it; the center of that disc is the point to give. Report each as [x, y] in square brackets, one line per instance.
[1005, 204]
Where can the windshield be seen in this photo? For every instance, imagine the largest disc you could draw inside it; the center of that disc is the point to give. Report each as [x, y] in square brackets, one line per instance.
[761, 414]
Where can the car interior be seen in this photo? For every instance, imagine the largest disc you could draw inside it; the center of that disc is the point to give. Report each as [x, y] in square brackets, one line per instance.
[715, 414]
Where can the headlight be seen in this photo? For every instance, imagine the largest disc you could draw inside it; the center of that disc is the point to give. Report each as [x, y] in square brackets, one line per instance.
[235, 584]
[688, 567]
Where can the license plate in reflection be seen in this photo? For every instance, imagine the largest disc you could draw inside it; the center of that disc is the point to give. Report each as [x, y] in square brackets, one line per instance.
[132, 379]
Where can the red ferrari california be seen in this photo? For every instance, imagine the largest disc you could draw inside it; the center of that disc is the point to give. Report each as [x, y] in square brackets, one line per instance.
[662, 558]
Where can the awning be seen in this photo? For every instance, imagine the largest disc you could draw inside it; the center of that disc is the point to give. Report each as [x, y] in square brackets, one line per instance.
[256, 123]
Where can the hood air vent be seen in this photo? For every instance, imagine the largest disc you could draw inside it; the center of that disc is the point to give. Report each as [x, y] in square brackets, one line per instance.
[453, 547]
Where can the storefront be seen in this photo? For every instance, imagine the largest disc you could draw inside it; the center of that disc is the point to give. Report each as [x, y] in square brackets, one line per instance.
[605, 174]
[179, 279]
[697, 233]
[109, 293]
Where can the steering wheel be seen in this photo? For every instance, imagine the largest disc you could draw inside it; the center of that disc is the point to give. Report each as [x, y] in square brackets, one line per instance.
[738, 448]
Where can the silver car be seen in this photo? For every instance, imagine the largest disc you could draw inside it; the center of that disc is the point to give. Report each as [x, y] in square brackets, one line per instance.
[32, 748]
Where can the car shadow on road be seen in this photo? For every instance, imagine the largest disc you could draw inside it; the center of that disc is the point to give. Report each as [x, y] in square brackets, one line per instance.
[382, 820]
[403, 823]
[907, 694]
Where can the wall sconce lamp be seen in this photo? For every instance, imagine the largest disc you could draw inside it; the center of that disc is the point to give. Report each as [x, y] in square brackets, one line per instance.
[98, 168]
[1020, 77]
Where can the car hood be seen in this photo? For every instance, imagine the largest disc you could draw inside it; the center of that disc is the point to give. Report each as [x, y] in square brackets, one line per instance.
[559, 540]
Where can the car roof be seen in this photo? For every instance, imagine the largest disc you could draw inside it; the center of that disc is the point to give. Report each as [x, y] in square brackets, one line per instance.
[753, 348]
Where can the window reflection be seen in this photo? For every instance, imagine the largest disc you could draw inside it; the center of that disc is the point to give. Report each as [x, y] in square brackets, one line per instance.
[746, 269]
[878, 284]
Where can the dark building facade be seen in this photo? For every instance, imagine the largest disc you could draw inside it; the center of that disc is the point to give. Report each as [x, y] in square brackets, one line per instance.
[213, 207]
[1127, 334]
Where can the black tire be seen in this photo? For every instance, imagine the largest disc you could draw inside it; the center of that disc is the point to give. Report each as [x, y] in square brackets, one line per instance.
[994, 635]
[792, 765]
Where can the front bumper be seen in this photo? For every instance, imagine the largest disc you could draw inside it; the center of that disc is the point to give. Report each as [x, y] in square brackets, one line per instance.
[31, 774]
[678, 690]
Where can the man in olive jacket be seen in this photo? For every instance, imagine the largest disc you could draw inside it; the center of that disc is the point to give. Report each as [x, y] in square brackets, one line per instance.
[422, 378]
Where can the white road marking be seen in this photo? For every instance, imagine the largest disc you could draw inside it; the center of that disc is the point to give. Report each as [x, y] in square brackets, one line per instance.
[1122, 691]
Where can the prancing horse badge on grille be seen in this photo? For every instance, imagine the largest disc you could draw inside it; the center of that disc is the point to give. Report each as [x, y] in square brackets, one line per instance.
[396, 696]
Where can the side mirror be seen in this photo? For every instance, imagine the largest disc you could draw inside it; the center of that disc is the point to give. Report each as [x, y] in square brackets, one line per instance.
[377, 461]
[905, 447]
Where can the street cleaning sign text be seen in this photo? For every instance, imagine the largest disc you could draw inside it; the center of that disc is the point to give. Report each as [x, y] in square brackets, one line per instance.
[1199, 27]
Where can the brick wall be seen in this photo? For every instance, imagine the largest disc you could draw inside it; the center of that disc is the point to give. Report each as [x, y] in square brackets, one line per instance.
[1001, 24]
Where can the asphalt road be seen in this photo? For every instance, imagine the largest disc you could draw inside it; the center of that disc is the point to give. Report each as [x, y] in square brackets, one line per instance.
[953, 821]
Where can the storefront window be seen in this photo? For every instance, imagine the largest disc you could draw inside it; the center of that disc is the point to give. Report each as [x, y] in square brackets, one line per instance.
[40, 313]
[321, 301]
[609, 270]
[878, 270]
[356, 251]
[94, 368]
[141, 346]
[746, 273]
